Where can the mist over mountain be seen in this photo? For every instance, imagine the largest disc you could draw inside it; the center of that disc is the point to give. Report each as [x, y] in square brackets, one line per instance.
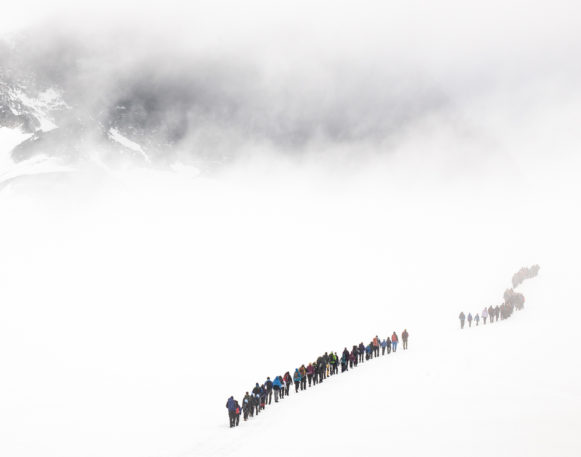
[135, 95]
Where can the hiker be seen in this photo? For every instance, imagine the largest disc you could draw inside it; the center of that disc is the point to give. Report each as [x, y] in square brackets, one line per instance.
[404, 337]
[394, 341]
[262, 396]
[476, 319]
[469, 319]
[256, 395]
[315, 373]
[288, 380]
[335, 368]
[376, 346]
[231, 405]
[310, 371]
[276, 386]
[268, 385]
[368, 353]
[383, 346]
[462, 317]
[344, 362]
[297, 380]
[321, 364]
[353, 358]
[325, 365]
[237, 412]
[303, 372]
[497, 312]
[361, 351]
[246, 404]
[484, 314]
[491, 314]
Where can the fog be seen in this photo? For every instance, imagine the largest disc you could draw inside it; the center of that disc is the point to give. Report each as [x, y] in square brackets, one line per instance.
[378, 168]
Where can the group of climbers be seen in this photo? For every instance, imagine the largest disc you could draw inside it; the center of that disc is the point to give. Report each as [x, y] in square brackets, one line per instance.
[503, 311]
[525, 273]
[512, 300]
[312, 374]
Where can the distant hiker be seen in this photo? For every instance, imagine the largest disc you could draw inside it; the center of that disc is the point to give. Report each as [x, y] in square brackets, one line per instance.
[404, 337]
[315, 373]
[469, 318]
[344, 362]
[303, 372]
[268, 385]
[246, 405]
[297, 380]
[484, 314]
[361, 351]
[497, 312]
[376, 346]
[276, 386]
[288, 380]
[256, 396]
[237, 412]
[368, 352]
[231, 405]
[262, 396]
[335, 363]
[310, 371]
[383, 345]
[321, 367]
[394, 341]
[353, 358]
[462, 317]
[476, 319]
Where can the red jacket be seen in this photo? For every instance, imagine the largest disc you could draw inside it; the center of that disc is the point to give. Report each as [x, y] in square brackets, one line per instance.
[394, 338]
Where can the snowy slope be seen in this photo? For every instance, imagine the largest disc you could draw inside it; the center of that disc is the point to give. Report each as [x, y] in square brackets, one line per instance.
[145, 316]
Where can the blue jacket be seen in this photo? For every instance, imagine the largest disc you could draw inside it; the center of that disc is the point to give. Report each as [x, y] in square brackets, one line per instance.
[297, 376]
[277, 382]
[231, 404]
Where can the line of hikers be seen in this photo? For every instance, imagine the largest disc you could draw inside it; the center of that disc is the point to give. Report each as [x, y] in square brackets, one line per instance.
[503, 311]
[314, 373]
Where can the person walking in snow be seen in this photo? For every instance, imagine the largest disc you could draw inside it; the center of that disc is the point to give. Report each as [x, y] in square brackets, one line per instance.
[268, 385]
[246, 404]
[462, 318]
[491, 314]
[335, 364]
[353, 358]
[276, 386]
[376, 346]
[361, 351]
[484, 314]
[343, 363]
[383, 345]
[256, 395]
[262, 397]
[303, 372]
[231, 405]
[288, 380]
[315, 373]
[469, 318]
[297, 380]
[321, 367]
[404, 337]
[310, 371]
[476, 319]
[394, 341]
[237, 413]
